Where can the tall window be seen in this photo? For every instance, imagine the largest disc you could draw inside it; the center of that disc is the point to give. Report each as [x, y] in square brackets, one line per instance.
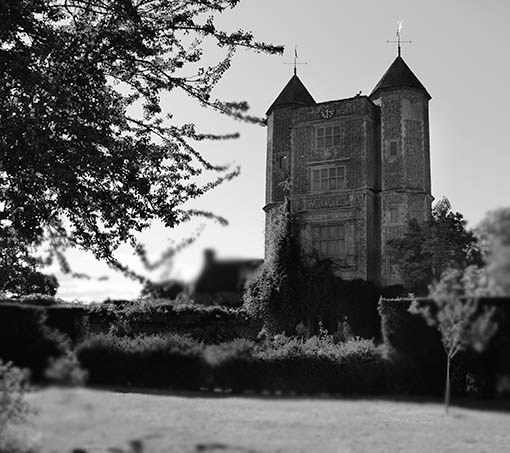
[393, 148]
[328, 136]
[394, 217]
[329, 240]
[328, 178]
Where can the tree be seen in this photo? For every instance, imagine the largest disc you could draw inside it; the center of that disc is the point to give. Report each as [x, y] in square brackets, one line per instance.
[18, 268]
[461, 322]
[428, 249]
[77, 166]
[494, 235]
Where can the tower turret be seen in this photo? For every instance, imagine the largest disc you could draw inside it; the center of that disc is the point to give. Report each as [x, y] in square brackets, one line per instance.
[279, 128]
[405, 155]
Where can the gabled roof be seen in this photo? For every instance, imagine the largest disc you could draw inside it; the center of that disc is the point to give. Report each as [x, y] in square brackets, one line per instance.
[294, 94]
[399, 75]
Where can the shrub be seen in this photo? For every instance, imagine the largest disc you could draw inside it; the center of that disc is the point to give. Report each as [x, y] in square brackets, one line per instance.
[319, 365]
[13, 407]
[316, 365]
[235, 366]
[152, 360]
[27, 341]
[66, 370]
[413, 348]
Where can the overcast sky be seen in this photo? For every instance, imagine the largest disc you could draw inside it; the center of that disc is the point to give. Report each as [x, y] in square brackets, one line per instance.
[460, 52]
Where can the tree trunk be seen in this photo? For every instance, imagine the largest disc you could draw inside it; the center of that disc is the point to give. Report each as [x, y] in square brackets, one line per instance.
[447, 386]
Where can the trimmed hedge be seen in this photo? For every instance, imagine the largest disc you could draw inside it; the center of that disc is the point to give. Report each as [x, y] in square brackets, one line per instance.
[210, 324]
[153, 361]
[290, 365]
[419, 358]
[26, 340]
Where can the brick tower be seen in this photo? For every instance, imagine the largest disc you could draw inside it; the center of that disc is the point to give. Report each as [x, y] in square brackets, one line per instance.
[405, 156]
[355, 170]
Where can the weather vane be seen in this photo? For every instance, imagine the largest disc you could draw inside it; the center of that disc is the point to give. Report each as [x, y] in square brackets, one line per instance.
[295, 62]
[399, 41]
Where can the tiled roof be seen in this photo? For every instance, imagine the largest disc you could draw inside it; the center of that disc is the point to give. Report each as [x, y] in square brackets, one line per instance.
[399, 75]
[294, 93]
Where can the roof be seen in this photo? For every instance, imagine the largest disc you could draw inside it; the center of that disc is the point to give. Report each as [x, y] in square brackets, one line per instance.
[225, 275]
[294, 93]
[399, 75]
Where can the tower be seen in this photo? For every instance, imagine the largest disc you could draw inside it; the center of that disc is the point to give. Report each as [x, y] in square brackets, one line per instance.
[279, 150]
[405, 190]
[355, 170]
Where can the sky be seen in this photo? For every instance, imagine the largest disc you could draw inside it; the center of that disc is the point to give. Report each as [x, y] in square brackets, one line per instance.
[459, 51]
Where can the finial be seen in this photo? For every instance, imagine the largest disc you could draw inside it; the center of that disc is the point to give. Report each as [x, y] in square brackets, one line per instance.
[399, 41]
[295, 63]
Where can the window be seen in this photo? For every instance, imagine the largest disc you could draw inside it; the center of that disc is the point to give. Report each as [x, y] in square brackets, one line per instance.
[394, 215]
[328, 178]
[393, 148]
[282, 162]
[329, 240]
[328, 136]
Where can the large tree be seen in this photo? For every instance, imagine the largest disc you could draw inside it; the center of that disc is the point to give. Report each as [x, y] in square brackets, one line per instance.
[494, 235]
[430, 248]
[77, 166]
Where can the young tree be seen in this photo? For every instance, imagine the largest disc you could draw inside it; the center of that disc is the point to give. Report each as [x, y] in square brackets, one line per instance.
[428, 249]
[461, 321]
[77, 166]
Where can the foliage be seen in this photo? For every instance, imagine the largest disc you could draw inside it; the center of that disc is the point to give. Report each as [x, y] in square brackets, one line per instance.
[152, 360]
[80, 167]
[267, 295]
[316, 365]
[291, 288]
[165, 290]
[66, 370]
[27, 341]
[428, 249]
[462, 323]
[413, 348]
[357, 302]
[13, 407]
[494, 235]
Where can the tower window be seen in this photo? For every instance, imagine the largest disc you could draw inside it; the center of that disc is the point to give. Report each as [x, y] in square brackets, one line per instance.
[328, 136]
[282, 162]
[393, 148]
[329, 240]
[393, 215]
[325, 179]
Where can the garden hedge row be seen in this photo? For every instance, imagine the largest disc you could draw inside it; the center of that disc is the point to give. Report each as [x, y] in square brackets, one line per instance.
[293, 365]
[26, 340]
[417, 351]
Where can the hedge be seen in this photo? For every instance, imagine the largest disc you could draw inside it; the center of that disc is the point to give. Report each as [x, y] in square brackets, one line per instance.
[417, 352]
[26, 340]
[292, 365]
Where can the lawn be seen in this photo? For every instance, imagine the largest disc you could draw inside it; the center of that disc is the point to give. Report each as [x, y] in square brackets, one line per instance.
[108, 420]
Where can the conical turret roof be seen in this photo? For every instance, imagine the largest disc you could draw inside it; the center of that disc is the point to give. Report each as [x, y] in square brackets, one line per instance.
[399, 75]
[294, 94]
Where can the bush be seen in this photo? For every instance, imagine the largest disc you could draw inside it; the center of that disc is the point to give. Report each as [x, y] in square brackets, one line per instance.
[27, 341]
[414, 349]
[153, 360]
[417, 356]
[294, 365]
[280, 364]
[13, 407]
[235, 366]
[66, 370]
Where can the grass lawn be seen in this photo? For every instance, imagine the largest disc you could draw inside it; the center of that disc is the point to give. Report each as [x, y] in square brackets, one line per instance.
[105, 420]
